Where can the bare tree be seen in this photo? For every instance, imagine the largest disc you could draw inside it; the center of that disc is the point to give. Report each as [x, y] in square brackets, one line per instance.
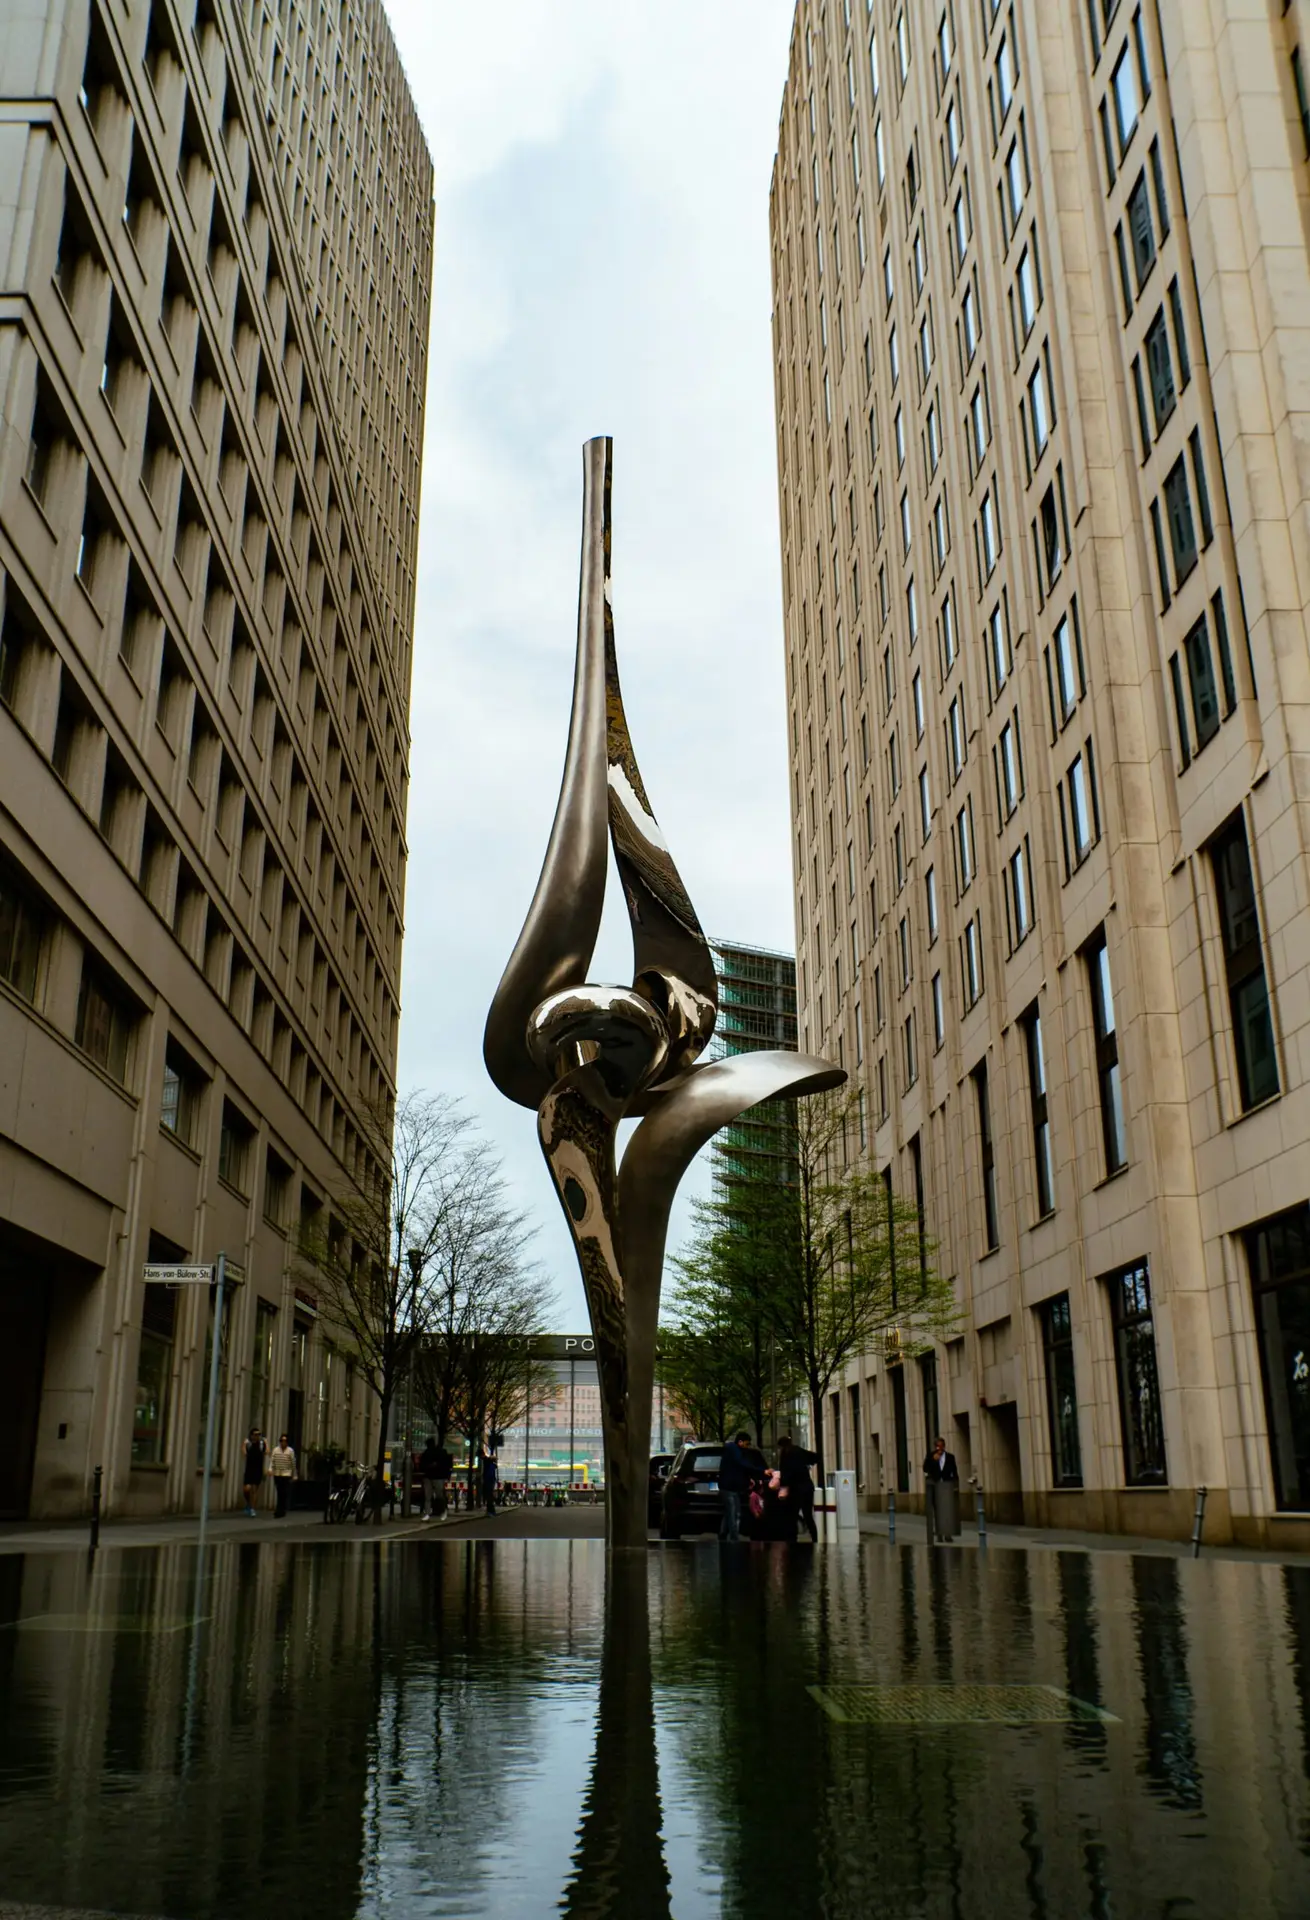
[484, 1303]
[370, 1251]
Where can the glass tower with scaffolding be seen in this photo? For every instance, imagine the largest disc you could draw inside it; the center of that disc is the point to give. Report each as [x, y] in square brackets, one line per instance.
[757, 1009]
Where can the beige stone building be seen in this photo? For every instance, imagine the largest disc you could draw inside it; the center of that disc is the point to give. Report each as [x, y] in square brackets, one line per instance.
[1043, 379]
[215, 254]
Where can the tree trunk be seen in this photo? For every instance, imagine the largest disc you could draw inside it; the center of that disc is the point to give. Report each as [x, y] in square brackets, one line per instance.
[384, 1403]
[816, 1416]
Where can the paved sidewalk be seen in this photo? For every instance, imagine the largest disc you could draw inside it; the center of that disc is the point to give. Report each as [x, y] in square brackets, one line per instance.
[303, 1529]
[910, 1532]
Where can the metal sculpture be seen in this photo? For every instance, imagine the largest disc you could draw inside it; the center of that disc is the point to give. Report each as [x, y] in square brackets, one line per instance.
[588, 1056]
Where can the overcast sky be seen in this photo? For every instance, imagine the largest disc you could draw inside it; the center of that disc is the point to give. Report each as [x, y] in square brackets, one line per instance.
[602, 266]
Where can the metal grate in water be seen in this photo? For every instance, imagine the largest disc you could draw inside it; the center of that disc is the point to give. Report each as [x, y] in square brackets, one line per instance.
[1003, 1706]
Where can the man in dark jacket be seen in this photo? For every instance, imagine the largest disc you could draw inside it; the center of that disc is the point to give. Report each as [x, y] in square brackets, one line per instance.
[794, 1465]
[941, 1486]
[436, 1466]
[737, 1469]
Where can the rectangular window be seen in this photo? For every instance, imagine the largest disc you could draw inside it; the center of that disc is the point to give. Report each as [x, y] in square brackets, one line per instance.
[917, 695]
[938, 1013]
[970, 327]
[234, 1141]
[1180, 334]
[989, 536]
[23, 927]
[956, 744]
[1106, 1040]
[1009, 766]
[1125, 274]
[979, 425]
[1141, 1411]
[180, 1099]
[1225, 654]
[1161, 197]
[1039, 410]
[1248, 987]
[950, 647]
[1042, 1158]
[1142, 230]
[1052, 548]
[154, 1373]
[1020, 896]
[1160, 366]
[991, 1215]
[1081, 818]
[1029, 288]
[964, 847]
[1178, 513]
[1067, 660]
[1198, 481]
[911, 1053]
[1016, 185]
[972, 962]
[1278, 1253]
[1180, 712]
[104, 1022]
[1127, 98]
[1061, 1392]
[998, 648]
[925, 805]
[1201, 681]
[930, 902]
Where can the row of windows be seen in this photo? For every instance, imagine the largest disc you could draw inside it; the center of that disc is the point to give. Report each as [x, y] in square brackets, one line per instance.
[148, 228]
[131, 827]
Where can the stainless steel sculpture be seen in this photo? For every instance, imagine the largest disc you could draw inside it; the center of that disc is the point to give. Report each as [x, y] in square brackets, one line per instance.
[589, 1056]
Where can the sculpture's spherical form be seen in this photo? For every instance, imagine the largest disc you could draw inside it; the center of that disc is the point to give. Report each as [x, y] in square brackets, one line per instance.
[612, 1028]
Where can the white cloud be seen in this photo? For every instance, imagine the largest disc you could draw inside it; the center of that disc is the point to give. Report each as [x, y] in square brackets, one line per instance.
[602, 176]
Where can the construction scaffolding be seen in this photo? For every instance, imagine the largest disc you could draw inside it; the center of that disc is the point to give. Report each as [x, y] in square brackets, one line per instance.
[757, 1010]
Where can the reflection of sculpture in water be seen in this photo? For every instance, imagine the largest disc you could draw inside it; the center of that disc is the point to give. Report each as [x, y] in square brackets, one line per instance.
[619, 1871]
[589, 1056]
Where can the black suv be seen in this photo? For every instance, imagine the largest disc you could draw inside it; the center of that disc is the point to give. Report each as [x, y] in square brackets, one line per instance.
[692, 1501]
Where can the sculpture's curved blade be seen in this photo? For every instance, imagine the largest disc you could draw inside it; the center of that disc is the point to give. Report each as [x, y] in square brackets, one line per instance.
[670, 957]
[559, 935]
[660, 1151]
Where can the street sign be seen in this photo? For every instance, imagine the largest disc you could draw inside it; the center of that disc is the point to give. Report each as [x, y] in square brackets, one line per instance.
[180, 1276]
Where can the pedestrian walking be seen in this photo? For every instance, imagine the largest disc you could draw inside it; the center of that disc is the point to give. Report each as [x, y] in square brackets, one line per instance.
[282, 1466]
[796, 1488]
[490, 1475]
[256, 1448]
[737, 1472]
[941, 1490]
[436, 1466]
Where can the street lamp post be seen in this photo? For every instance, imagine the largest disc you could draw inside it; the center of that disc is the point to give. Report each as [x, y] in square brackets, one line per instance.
[415, 1257]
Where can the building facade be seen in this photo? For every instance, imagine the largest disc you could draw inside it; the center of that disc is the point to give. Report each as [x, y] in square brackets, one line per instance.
[757, 1010]
[1040, 282]
[216, 253]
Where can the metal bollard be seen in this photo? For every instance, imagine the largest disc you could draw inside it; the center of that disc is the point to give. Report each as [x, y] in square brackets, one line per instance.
[929, 1512]
[981, 1513]
[891, 1516]
[97, 1479]
[1198, 1522]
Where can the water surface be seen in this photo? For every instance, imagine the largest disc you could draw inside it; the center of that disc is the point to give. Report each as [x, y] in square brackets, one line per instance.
[424, 1728]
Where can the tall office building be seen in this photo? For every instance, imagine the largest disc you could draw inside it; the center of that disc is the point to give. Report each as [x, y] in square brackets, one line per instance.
[217, 237]
[757, 1010]
[1040, 276]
